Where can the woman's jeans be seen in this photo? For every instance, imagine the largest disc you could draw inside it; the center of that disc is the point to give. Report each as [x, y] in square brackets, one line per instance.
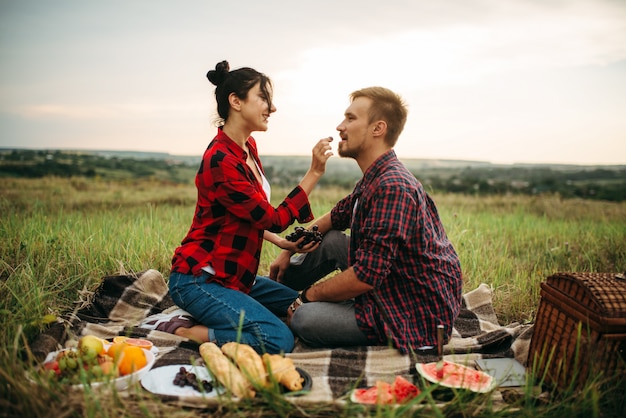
[232, 315]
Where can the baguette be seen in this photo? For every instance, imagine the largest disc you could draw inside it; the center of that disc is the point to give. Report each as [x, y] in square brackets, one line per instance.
[225, 371]
[249, 362]
[283, 371]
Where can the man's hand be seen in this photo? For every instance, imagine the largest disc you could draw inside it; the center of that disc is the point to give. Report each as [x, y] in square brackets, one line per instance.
[280, 265]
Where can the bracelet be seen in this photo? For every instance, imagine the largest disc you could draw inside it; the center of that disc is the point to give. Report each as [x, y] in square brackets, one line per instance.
[303, 295]
[295, 304]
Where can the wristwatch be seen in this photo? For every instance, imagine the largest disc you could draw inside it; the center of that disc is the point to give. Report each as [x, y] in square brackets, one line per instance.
[303, 295]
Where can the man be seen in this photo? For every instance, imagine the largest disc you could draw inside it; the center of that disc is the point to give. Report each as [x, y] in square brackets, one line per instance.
[403, 276]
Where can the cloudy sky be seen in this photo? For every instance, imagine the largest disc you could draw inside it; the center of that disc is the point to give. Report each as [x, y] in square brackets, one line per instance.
[493, 80]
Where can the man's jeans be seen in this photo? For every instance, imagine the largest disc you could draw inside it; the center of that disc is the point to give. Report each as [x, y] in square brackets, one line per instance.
[328, 324]
[323, 324]
[306, 269]
[232, 315]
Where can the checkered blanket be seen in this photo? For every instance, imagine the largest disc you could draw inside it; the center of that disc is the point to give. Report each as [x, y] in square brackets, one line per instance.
[122, 303]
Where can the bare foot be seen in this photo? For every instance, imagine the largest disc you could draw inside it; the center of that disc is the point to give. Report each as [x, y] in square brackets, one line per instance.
[197, 333]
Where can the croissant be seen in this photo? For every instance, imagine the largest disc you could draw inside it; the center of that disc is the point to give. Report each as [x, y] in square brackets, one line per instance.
[225, 371]
[283, 370]
[249, 362]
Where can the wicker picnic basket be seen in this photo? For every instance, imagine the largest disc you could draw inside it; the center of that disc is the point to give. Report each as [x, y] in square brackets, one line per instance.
[580, 329]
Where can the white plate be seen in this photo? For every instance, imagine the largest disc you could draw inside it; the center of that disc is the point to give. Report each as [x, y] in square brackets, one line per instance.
[160, 381]
[122, 382]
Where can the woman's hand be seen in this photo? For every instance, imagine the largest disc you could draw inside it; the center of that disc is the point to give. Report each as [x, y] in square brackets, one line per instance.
[321, 153]
[298, 246]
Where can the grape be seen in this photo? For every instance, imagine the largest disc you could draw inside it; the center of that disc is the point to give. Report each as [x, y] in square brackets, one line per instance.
[184, 378]
[97, 371]
[310, 235]
[71, 363]
[77, 367]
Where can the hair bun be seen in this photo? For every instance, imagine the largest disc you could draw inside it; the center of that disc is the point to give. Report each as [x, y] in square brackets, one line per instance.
[220, 73]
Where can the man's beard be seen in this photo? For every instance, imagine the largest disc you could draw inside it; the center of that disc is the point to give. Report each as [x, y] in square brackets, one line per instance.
[347, 153]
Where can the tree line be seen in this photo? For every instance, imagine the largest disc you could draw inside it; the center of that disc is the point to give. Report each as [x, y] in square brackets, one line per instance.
[568, 181]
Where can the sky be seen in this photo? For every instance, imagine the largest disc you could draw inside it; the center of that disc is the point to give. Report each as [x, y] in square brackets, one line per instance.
[502, 81]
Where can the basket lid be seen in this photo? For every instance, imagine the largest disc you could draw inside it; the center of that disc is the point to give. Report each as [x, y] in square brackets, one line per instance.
[602, 293]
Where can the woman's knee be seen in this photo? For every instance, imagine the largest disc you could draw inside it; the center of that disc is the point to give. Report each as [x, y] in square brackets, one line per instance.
[280, 341]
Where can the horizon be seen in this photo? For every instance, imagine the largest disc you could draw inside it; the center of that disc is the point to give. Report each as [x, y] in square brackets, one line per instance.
[334, 157]
[516, 82]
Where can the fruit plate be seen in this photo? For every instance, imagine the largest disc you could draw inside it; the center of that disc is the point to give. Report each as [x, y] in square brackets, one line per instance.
[160, 381]
[122, 382]
[456, 376]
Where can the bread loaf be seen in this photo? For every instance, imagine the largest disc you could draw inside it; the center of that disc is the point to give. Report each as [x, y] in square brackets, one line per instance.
[225, 371]
[282, 370]
[248, 361]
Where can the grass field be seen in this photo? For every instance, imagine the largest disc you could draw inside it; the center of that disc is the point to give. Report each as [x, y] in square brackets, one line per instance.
[60, 236]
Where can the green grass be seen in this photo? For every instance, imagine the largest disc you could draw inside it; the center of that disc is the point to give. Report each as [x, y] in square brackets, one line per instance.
[58, 237]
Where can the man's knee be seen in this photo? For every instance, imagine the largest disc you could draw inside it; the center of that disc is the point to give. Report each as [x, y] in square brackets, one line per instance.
[304, 325]
[335, 246]
[335, 239]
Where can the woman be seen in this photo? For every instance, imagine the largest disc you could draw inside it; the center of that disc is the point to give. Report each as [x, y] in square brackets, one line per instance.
[214, 270]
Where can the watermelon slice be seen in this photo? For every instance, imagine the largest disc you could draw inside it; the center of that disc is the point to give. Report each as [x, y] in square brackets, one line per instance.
[454, 375]
[383, 393]
[403, 390]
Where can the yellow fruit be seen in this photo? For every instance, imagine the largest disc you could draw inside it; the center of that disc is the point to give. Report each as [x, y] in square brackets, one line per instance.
[132, 359]
[91, 345]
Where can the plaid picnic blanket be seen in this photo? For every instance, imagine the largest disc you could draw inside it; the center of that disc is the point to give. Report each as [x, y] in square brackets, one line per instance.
[123, 302]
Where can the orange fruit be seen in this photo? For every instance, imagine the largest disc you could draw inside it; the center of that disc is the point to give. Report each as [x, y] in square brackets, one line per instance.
[116, 349]
[120, 339]
[139, 342]
[133, 358]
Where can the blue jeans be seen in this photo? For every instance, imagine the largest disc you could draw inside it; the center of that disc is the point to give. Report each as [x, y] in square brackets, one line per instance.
[232, 315]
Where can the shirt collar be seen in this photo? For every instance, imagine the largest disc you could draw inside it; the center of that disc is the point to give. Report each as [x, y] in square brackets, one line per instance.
[376, 169]
[234, 147]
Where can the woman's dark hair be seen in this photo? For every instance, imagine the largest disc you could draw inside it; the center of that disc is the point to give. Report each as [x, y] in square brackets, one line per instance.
[238, 81]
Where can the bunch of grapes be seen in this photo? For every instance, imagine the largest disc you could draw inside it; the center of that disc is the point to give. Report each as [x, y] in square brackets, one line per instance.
[184, 378]
[310, 235]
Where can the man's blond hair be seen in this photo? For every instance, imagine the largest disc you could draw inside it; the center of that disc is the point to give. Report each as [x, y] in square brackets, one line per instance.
[387, 106]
